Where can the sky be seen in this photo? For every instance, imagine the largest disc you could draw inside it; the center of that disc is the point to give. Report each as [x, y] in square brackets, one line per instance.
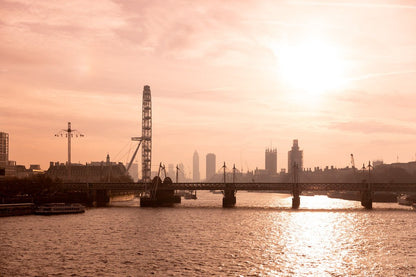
[227, 77]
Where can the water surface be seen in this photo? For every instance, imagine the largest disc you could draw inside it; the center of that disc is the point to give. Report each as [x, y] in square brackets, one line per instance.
[262, 236]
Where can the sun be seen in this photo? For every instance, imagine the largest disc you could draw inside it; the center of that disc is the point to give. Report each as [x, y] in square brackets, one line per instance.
[312, 66]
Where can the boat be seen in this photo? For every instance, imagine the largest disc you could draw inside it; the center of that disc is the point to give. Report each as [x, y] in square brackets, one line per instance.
[404, 199]
[59, 208]
[16, 209]
[190, 194]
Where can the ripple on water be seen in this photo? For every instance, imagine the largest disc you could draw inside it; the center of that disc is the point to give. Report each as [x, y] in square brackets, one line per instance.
[262, 236]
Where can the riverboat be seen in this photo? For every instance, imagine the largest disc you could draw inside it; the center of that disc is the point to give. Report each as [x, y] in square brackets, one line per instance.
[16, 209]
[59, 208]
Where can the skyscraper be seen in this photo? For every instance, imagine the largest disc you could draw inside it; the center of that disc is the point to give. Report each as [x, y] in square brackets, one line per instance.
[195, 167]
[271, 161]
[295, 157]
[4, 148]
[210, 166]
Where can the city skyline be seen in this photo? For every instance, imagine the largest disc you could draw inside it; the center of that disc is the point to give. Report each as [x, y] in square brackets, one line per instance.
[223, 82]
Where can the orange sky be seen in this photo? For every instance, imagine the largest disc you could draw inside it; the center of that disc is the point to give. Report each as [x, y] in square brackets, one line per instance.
[226, 77]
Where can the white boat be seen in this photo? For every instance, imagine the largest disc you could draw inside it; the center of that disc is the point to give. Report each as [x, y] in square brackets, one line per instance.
[59, 208]
[190, 194]
[404, 199]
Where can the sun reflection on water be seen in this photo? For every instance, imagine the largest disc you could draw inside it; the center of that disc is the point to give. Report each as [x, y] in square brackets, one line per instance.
[312, 242]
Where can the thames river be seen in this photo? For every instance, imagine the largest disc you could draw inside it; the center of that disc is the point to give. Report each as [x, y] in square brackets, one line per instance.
[261, 236]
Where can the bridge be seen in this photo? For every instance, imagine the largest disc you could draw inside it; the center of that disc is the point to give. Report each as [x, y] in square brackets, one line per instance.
[162, 193]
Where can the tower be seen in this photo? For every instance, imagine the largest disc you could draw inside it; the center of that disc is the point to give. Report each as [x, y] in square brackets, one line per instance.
[146, 134]
[69, 134]
[195, 167]
[4, 148]
[271, 161]
[295, 157]
[210, 166]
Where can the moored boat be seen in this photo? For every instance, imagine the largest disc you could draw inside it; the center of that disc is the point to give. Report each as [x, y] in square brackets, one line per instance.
[404, 199]
[59, 208]
[16, 209]
[190, 194]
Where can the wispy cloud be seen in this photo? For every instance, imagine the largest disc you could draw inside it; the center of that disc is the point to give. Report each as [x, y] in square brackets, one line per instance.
[372, 127]
[382, 74]
[354, 5]
[211, 68]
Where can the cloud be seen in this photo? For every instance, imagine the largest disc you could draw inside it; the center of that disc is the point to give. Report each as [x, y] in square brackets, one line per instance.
[372, 127]
[355, 4]
[211, 68]
[382, 74]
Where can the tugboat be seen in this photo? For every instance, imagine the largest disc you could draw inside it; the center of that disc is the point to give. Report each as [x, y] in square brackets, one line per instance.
[59, 208]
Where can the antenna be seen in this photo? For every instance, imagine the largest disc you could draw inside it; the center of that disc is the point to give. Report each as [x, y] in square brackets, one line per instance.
[352, 161]
[234, 173]
[224, 167]
[177, 171]
[161, 170]
[69, 133]
[369, 170]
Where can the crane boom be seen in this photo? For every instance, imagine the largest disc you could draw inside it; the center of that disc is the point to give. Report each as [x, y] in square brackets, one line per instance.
[134, 154]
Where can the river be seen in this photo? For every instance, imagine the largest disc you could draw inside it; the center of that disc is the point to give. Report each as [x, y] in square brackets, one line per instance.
[261, 236]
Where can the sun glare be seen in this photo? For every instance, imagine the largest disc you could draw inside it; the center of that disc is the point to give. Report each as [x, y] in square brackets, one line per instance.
[312, 66]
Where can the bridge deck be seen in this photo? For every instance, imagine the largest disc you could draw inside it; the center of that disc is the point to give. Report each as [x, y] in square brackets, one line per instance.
[278, 187]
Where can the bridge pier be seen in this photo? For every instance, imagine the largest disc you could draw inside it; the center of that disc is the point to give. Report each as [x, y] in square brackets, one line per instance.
[229, 199]
[100, 198]
[160, 195]
[295, 201]
[367, 197]
[295, 196]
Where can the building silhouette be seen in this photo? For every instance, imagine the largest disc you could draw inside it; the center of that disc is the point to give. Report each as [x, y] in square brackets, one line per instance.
[295, 157]
[195, 167]
[7, 168]
[210, 166]
[271, 161]
[104, 171]
[181, 173]
[4, 149]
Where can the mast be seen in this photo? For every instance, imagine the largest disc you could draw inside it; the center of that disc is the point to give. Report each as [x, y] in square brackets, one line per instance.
[69, 132]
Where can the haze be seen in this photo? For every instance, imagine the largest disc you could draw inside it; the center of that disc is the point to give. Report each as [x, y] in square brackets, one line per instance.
[229, 78]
